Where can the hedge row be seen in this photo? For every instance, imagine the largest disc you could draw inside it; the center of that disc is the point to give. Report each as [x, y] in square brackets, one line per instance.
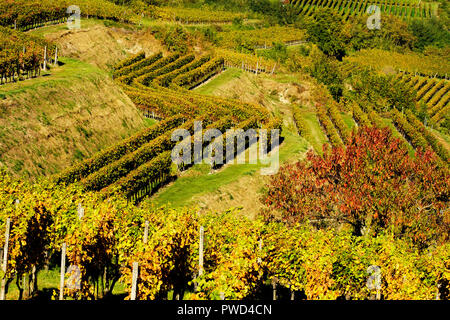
[441, 114]
[160, 105]
[434, 143]
[420, 83]
[374, 117]
[167, 102]
[103, 158]
[328, 126]
[439, 85]
[273, 124]
[303, 128]
[427, 87]
[222, 125]
[441, 105]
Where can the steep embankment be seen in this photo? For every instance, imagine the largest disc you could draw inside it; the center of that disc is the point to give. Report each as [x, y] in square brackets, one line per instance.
[100, 45]
[50, 122]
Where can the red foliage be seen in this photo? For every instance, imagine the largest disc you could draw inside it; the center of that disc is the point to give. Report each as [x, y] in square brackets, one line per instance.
[372, 184]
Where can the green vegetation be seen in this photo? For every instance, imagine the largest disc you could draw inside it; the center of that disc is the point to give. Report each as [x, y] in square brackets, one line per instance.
[201, 180]
[364, 175]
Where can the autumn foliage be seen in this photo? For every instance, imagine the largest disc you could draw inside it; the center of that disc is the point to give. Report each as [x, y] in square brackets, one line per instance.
[371, 185]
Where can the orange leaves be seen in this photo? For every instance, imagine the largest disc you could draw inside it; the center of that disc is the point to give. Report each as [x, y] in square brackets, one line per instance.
[371, 174]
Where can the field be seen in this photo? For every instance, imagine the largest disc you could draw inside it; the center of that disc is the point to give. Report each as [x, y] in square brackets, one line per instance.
[235, 150]
[405, 9]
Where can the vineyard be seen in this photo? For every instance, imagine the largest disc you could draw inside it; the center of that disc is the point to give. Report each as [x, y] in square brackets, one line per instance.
[105, 238]
[23, 56]
[159, 86]
[414, 63]
[24, 15]
[260, 38]
[193, 15]
[357, 208]
[432, 92]
[406, 9]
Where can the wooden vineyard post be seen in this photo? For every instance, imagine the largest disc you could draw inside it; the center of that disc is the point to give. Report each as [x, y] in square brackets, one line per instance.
[23, 64]
[274, 288]
[146, 232]
[45, 59]
[259, 250]
[80, 211]
[5, 260]
[63, 272]
[24, 287]
[200, 252]
[56, 56]
[273, 70]
[257, 65]
[134, 280]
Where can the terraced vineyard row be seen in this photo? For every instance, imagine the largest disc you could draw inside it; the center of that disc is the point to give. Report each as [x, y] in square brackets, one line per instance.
[405, 9]
[160, 87]
[408, 125]
[328, 126]
[435, 93]
[246, 61]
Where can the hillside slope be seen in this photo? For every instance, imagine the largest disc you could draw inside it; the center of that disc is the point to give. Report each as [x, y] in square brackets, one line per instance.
[98, 44]
[51, 122]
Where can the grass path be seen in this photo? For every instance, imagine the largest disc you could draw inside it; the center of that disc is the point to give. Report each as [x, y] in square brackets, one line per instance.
[70, 70]
[199, 185]
[316, 131]
[217, 82]
[198, 180]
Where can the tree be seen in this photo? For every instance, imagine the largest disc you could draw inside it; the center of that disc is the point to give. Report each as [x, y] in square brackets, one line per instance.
[327, 31]
[393, 34]
[326, 70]
[429, 32]
[371, 185]
[381, 91]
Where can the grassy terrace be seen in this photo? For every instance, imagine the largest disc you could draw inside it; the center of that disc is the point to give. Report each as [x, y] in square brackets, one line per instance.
[199, 180]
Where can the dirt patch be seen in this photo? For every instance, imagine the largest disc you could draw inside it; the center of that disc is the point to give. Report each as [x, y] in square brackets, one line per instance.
[104, 46]
[269, 92]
